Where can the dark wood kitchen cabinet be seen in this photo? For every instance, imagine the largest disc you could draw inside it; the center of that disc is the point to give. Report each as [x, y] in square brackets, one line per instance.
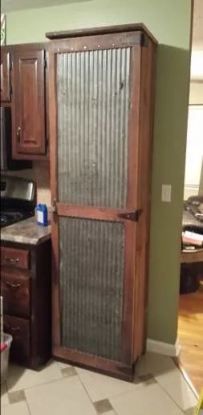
[29, 103]
[26, 291]
[24, 77]
[5, 75]
[101, 91]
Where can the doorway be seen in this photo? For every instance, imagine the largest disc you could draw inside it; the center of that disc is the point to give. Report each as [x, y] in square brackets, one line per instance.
[190, 320]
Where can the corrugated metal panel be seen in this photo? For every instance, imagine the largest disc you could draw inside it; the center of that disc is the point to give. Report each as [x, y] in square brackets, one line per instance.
[93, 104]
[91, 285]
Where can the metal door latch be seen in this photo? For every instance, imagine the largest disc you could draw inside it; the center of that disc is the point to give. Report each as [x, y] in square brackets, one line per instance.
[134, 216]
[53, 206]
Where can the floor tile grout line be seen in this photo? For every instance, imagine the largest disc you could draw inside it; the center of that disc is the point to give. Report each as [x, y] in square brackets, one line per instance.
[171, 398]
[9, 404]
[27, 404]
[52, 381]
[124, 393]
[90, 397]
[84, 387]
[109, 398]
[186, 377]
[39, 384]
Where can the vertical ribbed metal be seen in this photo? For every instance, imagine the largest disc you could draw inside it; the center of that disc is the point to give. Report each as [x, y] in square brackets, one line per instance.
[91, 285]
[93, 105]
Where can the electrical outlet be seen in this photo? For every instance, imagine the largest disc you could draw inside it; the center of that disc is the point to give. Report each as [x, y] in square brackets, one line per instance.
[166, 193]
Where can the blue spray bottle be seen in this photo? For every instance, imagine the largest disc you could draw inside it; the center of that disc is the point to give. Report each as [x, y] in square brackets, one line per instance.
[42, 214]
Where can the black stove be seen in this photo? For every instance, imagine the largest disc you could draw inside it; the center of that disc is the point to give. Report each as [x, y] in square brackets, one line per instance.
[8, 218]
[18, 198]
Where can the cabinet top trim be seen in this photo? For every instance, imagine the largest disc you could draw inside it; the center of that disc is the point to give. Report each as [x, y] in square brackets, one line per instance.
[20, 47]
[101, 30]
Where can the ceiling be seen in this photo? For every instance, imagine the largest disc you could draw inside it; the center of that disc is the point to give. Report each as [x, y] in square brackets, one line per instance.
[12, 5]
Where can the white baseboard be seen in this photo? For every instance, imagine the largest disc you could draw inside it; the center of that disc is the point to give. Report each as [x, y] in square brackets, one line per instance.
[163, 348]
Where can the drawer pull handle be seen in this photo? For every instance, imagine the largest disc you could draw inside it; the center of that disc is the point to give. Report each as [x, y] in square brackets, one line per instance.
[12, 260]
[11, 285]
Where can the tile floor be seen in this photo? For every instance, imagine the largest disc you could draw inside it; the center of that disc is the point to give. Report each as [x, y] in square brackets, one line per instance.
[59, 389]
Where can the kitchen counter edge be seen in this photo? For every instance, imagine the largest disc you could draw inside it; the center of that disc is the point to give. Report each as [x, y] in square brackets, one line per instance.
[26, 232]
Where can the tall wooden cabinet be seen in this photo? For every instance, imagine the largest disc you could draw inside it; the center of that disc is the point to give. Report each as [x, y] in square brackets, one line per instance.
[101, 84]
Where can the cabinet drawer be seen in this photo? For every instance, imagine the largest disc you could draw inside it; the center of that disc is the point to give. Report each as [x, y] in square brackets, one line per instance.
[19, 328]
[18, 258]
[15, 289]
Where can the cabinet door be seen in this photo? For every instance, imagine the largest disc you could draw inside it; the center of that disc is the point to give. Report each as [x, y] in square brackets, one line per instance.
[19, 328]
[15, 288]
[94, 157]
[29, 132]
[5, 76]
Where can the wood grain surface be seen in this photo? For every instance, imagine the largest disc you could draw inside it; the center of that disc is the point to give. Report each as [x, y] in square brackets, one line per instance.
[190, 332]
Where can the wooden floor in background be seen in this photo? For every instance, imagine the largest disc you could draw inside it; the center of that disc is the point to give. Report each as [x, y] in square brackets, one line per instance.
[190, 333]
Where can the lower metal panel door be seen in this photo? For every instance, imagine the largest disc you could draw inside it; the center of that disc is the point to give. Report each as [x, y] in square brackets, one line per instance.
[91, 286]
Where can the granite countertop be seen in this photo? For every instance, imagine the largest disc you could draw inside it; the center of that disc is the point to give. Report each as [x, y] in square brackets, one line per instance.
[26, 231]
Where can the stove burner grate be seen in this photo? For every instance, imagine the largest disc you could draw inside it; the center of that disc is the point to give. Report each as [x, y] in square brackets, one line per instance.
[8, 218]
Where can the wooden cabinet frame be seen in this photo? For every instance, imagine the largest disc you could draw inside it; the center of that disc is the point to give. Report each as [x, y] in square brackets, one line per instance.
[5, 75]
[140, 128]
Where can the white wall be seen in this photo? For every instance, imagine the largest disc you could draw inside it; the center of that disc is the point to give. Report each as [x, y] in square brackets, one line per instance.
[196, 93]
[194, 151]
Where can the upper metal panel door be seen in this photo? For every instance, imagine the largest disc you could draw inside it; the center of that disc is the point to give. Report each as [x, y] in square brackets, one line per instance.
[93, 104]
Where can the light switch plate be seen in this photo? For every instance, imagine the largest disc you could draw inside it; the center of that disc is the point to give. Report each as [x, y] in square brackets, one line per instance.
[166, 193]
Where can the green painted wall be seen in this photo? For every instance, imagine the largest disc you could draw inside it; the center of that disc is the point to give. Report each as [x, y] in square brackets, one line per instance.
[169, 21]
